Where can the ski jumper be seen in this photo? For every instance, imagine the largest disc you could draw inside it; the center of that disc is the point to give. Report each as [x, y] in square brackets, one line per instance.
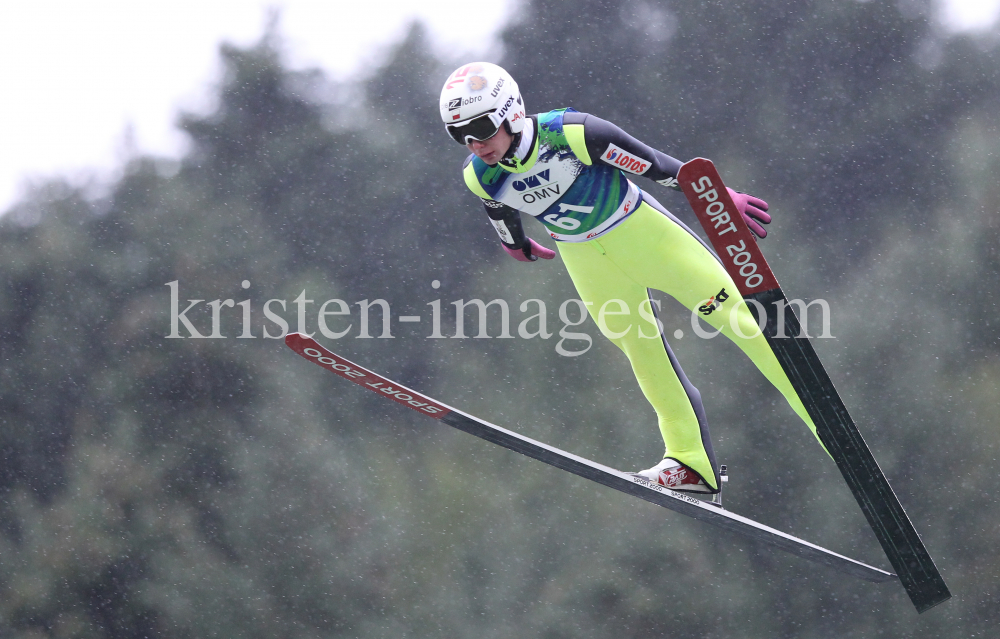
[569, 172]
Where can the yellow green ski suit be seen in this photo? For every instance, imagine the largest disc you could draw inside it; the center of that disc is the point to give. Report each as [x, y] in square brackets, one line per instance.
[617, 242]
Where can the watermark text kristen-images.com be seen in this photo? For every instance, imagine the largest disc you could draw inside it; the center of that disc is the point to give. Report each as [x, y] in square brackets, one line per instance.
[336, 319]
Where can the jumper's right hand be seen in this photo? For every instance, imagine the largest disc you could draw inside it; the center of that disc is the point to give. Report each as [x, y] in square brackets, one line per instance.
[753, 209]
[530, 252]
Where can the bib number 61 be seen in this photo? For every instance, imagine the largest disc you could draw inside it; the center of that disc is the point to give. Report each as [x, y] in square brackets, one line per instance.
[567, 223]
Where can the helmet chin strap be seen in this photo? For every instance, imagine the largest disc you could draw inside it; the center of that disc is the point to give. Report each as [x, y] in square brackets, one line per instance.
[515, 141]
[510, 159]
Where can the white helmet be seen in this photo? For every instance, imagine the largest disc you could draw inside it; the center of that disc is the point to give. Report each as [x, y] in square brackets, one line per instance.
[477, 99]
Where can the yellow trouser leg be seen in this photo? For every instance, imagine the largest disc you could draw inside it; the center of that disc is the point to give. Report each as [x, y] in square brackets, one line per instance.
[649, 250]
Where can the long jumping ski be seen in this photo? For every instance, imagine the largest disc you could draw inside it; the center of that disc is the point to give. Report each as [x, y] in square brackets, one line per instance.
[737, 248]
[624, 482]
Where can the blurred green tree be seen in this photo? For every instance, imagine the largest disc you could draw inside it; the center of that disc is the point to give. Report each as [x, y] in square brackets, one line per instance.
[221, 487]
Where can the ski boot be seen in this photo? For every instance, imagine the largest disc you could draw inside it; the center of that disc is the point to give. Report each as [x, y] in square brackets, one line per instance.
[674, 475]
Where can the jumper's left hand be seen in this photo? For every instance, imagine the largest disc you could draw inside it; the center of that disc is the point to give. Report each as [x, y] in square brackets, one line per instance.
[530, 252]
[754, 211]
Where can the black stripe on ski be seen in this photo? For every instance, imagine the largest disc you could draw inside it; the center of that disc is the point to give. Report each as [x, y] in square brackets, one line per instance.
[840, 435]
[624, 482]
[733, 240]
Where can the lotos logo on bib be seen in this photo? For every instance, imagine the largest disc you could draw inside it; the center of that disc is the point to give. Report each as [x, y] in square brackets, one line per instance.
[625, 161]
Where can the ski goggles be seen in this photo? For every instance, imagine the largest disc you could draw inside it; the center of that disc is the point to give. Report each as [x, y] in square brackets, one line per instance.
[479, 128]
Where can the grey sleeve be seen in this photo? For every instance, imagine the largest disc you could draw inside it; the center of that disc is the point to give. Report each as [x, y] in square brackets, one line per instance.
[611, 145]
[506, 220]
[507, 223]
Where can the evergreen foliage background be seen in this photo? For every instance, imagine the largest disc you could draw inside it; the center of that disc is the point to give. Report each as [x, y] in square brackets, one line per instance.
[223, 487]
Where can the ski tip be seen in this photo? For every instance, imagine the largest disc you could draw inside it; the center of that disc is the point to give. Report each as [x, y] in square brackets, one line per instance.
[295, 341]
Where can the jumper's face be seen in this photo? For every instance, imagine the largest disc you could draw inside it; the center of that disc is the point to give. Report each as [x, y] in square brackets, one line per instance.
[493, 149]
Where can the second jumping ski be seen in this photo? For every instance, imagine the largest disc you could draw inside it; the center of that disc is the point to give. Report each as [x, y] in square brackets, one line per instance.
[705, 511]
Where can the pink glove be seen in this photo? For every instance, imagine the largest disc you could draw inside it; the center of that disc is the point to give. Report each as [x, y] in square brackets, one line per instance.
[531, 252]
[754, 211]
